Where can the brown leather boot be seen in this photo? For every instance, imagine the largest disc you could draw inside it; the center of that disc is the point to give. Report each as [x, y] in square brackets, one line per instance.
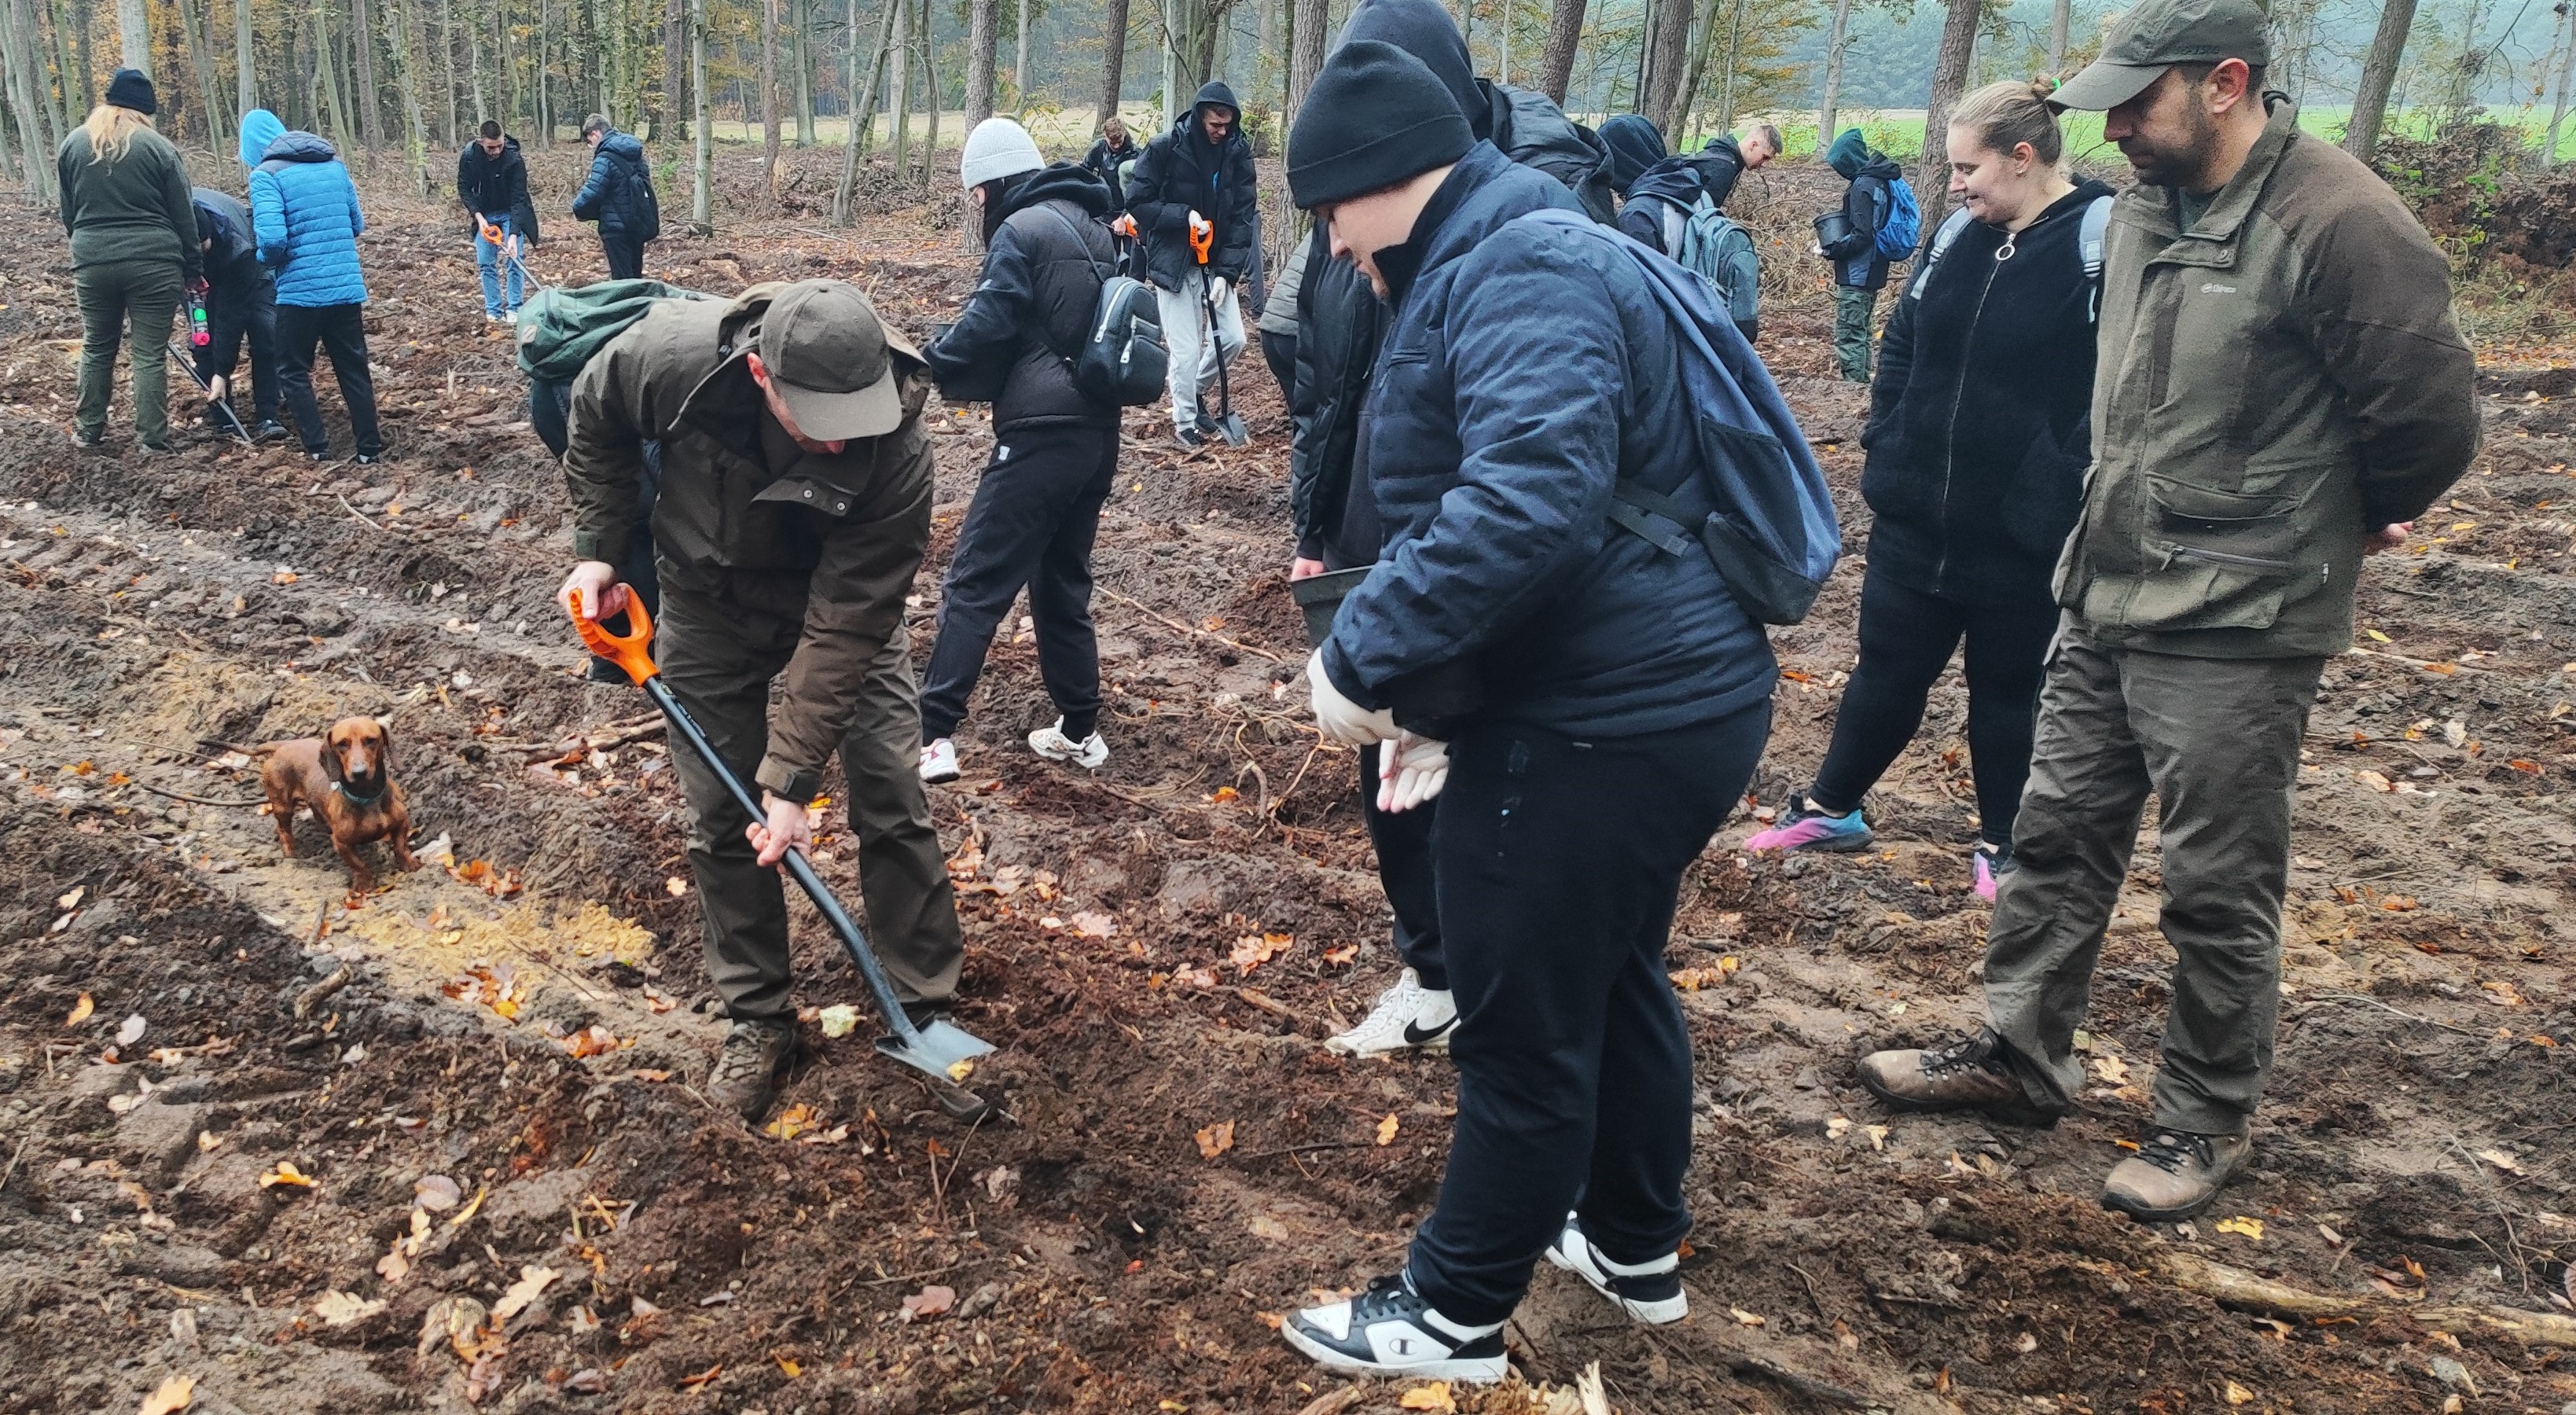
[746, 1071]
[2174, 1174]
[1972, 1074]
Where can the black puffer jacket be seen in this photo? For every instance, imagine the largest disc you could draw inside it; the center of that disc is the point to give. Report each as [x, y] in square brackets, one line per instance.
[1182, 172]
[224, 219]
[1103, 161]
[1979, 429]
[1720, 165]
[492, 186]
[1033, 306]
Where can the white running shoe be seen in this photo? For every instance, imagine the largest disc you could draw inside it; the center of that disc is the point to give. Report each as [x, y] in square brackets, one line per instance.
[1408, 1017]
[1650, 1292]
[939, 761]
[1052, 744]
[1390, 1331]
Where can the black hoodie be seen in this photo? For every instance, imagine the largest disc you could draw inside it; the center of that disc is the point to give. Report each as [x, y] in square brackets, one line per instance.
[492, 186]
[1182, 172]
[1032, 309]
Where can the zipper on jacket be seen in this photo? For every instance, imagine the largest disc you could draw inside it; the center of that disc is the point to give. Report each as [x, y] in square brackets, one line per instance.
[2258, 564]
[1959, 390]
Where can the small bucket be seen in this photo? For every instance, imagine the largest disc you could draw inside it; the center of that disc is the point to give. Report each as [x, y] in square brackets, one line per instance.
[1318, 596]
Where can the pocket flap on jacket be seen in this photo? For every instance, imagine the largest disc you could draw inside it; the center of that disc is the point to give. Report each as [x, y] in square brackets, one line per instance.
[810, 493]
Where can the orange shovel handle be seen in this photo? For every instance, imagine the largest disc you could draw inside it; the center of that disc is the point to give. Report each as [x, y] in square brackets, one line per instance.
[1202, 237]
[632, 650]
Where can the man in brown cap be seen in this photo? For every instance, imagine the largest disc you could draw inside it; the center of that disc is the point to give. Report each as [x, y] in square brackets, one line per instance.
[2281, 391]
[792, 507]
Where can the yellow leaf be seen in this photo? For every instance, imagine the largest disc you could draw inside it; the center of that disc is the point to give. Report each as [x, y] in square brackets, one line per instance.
[1216, 1139]
[80, 1011]
[1386, 1131]
[471, 1206]
[532, 1280]
[2111, 1069]
[2239, 1395]
[1744, 1317]
[792, 1369]
[2501, 1160]
[173, 1396]
[286, 1173]
[340, 1309]
[73, 899]
[2250, 1227]
[1434, 1396]
[2376, 636]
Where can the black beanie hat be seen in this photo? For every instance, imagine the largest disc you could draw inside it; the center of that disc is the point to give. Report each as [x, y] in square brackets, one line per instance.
[129, 89]
[1373, 118]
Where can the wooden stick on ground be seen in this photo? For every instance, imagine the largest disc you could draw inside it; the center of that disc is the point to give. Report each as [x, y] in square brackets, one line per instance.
[1168, 622]
[2236, 1287]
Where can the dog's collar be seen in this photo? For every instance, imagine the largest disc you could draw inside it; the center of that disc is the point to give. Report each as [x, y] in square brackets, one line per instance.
[355, 799]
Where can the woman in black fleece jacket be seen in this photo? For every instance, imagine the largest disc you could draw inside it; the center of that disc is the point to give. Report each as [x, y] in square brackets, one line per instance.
[1978, 437]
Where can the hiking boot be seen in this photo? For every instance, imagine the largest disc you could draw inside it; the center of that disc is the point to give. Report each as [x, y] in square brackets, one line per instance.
[1804, 825]
[368, 459]
[1990, 862]
[746, 1071]
[1390, 1330]
[2174, 1174]
[263, 431]
[1972, 1074]
[939, 761]
[1650, 1292]
[1408, 1017]
[1051, 743]
[1190, 438]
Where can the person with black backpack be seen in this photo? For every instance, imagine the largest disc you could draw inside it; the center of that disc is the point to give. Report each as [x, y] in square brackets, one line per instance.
[1979, 432]
[1861, 239]
[619, 196]
[1047, 255]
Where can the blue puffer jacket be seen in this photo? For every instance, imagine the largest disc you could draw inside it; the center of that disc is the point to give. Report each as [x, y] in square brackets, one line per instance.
[1516, 357]
[305, 215]
[613, 196]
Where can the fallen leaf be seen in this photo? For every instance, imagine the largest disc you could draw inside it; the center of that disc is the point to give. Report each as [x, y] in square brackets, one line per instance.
[2376, 636]
[73, 899]
[1216, 1139]
[2112, 1070]
[283, 577]
[930, 1301]
[792, 1122]
[1253, 950]
[80, 1011]
[286, 1173]
[2374, 780]
[1837, 1127]
[2329, 1235]
[1225, 794]
[436, 1193]
[1092, 924]
[1434, 1396]
[2239, 1395]
[1386, 1131]
[1341, 957]
[675, 886]
[702, 1377]
[792, 1369]
[1745, 1318]
[340, 1309]
[471, 1207]
[839, 1020]
[2250, 1227]
[2501, 1160]
[1877, 1137]
[593, 1040]
[170, 1398]
[648, 1074]
[532, 1280]
[1588, 1390]
[393, 1266]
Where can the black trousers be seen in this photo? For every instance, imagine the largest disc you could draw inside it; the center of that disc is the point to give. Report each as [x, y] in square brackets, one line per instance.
[1559, 864]
[341, 331]
[240, 311]
[1906, 637]
[1031, 523]
[625, 256]
[1403, 844]
[1280, 352]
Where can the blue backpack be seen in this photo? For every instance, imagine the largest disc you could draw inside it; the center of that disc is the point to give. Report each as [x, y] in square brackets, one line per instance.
[1773, 536]
[1902, 231]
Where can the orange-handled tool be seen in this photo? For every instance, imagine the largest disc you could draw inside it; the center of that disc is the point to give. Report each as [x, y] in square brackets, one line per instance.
[942, 1049]
[1202, 237]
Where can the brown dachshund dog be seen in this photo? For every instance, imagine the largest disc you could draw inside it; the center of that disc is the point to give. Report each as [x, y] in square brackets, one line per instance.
[346, 776]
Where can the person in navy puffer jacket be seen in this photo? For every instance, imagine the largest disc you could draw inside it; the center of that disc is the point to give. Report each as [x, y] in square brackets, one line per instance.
[304, 214]
[619, 196]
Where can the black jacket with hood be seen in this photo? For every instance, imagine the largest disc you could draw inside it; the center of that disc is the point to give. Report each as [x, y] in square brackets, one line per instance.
[1867, 203]
[1182, 172]
[1033, 306]
[1980, 421]
[1339, 318]
[1720, 166]
[492, 186]
[1103, 161]
[224, 219]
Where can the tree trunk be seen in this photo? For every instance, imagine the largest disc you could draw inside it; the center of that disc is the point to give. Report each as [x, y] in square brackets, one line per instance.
[1020, 68]
[2558, 107]
[134, 35]
[404, 19]
[201, 64]
[1734, 64]
[1564, 34]
[1503, 60]
[541, 92]
[33, 154]
[930, 87]
[474, 65]
[327, 59]
[983, 23]
[702, 162]
[769, 100]
[1667, 50]
[362, 46]
[447, 56]
[863, 104]
[2378, 75]
[899, 87]
[1949, 77]
[2060, 14]
[49, 104]
[245, 60]
[802, 32]
[1113, 61]
[1837, 45]
[76, 59]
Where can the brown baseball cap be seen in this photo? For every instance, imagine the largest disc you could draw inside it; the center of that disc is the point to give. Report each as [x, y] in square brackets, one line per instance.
[2158, 34]
[829, 362]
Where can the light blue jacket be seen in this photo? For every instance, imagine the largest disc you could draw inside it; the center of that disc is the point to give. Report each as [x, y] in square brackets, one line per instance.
[304, 214]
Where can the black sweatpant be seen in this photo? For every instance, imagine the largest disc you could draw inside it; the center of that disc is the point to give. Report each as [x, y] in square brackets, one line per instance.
[1280, 352]
[238, 311]
[1559, 863]
[341, 331]
[1031, 523]
[1906, 636]
[625, 256]
[1403, 844]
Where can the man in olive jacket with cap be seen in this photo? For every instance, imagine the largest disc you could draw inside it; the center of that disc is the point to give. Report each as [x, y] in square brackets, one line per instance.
[794, 506]
[2282, 390]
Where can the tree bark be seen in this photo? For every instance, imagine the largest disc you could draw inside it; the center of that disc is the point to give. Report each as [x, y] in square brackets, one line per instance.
[769, 100]
[201, 63]
[34, 156]
[2558, 107]
[1020, 67]
[362, 45]
[899, 87]
[326, 58]
[405, 18]
[76, 59]
[1503, 60]
[1667, 49]
[245, 60]
[2060, 15]
[447, 56]
[134, 35]
[1837, 46]
[1734, 64]
[2378, 75]
[930, 87]
[864, 87]
[702, 161]
[1949, 77]
[1564, 34]
[1113, 61]
[540, 91]
[983, 24]
[802, 61]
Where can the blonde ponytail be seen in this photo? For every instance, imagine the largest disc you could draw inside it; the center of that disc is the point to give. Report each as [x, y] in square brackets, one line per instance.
[2008, 114]
[111, 131]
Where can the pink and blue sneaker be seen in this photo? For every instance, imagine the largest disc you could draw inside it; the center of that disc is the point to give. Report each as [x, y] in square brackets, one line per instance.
[1991, 862]
[1803, 825]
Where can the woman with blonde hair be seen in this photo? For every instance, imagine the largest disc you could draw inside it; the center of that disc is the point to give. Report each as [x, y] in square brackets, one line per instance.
[134, 251]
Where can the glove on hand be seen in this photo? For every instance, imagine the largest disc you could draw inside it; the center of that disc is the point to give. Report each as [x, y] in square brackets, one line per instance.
[1341, 719]
[1411, 770]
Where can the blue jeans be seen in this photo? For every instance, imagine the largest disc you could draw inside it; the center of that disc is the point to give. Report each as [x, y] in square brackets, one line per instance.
[488, 261]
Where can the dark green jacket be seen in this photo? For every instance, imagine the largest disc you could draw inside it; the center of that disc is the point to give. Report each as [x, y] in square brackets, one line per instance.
[2272, 384]
[746, 518]
[134, 209]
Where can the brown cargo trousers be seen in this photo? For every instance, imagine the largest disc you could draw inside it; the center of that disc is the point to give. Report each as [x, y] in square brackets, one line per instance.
[2217, 741]
[718, 659]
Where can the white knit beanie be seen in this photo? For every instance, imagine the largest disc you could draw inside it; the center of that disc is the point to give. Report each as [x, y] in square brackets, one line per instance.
[997, 148]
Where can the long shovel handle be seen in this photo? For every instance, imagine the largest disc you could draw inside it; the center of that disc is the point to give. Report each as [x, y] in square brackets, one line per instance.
[631, 651]
[188, 363]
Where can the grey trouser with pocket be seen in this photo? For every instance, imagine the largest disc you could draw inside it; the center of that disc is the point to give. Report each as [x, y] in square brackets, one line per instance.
[2217, 741]
[718, 658]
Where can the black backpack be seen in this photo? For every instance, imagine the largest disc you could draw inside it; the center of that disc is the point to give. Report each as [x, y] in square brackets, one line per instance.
[1122, 359]
[648, 207]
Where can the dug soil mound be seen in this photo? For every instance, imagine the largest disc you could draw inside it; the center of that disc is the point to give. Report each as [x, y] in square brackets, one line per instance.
[444, 1147]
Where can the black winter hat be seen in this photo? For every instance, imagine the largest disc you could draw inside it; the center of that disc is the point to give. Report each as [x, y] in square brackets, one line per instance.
[129, 89]
[1374, 117]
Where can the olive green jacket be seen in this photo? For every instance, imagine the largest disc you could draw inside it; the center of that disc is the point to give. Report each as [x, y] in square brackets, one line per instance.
[745, 518]
[135, 208]
[2274, 383]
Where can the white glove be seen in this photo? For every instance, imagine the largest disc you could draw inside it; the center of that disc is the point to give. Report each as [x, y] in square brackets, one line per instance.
[1218, 290]
[1341, 719]
[1410, 770]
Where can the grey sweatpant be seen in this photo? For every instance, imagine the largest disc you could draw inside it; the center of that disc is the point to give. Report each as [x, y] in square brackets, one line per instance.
[2217, 741]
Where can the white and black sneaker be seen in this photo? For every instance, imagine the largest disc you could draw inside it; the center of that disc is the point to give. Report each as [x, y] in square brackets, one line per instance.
[1390, 1330]
[1090, 753]
[1650, 1292]
[1408, 1017]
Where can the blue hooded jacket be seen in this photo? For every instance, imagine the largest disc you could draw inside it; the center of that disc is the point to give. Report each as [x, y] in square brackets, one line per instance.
[259, 128]
[1518, 360]
[613, 196]
[304, 214]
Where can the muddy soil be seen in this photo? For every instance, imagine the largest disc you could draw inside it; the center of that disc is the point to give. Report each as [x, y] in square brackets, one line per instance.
[441, 1146]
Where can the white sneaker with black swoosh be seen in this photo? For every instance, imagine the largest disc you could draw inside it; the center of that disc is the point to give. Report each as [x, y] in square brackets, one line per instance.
[1650, 1292]
[1390, 1330]
[1408, 1017]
